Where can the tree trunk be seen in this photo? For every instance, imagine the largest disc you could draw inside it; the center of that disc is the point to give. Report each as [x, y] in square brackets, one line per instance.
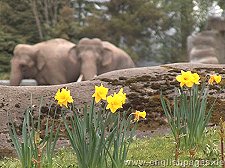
[186, 26]
[46, 12]
[55, 13]
[38, 23]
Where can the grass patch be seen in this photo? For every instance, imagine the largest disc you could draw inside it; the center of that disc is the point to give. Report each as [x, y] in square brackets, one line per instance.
[145, 152]
[4, 76]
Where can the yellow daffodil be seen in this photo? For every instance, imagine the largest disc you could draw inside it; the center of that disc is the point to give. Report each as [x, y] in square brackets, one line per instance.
[123, 96]
[216, 78]
[186, 78]
[196, 78]
[114, 102]
[100, 93]
[63, 97]
[138, 114]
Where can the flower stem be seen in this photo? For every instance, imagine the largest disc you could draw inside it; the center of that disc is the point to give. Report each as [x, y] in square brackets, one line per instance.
[39, 157]
[177, 141]
[222, 151]
[222, 142]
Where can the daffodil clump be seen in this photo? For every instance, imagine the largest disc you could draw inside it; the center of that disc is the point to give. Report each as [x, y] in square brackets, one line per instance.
[190, 114]
[114, 101]
[94, 146]
[35, 148]
[100, 138]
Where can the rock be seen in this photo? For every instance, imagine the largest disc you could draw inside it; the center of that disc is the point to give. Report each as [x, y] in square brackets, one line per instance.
[208, 46]
[216, 23]
[142, 86]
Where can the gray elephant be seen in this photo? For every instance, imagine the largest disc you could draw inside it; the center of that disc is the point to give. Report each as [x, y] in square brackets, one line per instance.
[98, 57]
[47, 62]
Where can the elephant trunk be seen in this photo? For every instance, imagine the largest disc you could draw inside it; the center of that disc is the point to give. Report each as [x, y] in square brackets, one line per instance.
[16, 74]
[88, 70]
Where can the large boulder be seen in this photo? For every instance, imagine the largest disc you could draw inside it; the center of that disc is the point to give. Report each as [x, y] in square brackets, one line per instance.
[142, 86]
[216, 23]
[208, 46]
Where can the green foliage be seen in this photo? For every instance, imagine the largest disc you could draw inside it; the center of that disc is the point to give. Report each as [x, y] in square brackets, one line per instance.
[4, 76]
[13, 30]
[17, 20]
[7, 44]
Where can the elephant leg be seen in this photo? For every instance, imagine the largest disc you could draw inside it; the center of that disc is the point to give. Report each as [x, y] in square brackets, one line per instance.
[16, 74]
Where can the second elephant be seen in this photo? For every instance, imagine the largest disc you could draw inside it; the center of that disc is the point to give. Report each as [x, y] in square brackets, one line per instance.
[98, 57]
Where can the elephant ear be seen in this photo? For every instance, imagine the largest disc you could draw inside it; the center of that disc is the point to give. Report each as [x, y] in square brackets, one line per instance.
[107, 57]
[73, 52]
[41, 61]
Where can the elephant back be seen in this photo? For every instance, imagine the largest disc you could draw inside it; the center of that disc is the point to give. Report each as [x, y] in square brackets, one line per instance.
[112, 47]
[55, 47]
[119, 54]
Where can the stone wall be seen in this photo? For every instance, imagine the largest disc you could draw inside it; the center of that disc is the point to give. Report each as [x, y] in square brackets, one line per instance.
[142, 86]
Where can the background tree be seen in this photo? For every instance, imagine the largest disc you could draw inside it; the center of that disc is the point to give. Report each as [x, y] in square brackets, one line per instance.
[126, 23]
[180, 24]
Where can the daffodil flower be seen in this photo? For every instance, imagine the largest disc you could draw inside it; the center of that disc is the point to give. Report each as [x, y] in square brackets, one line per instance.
[216, 78]
[196, 78]
[114, 102]
[123, 96]
[100, 93]
[138, 115]
[185, 78]
[63, 97]
[188, 78]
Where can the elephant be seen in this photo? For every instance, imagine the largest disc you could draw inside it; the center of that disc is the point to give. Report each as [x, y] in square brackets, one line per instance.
[98, 57]
[48, 62]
